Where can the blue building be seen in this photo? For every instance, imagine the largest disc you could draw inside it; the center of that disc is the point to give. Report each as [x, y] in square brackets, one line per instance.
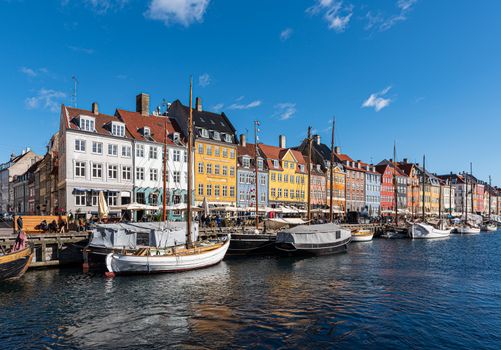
[372, 190]
[246, 172]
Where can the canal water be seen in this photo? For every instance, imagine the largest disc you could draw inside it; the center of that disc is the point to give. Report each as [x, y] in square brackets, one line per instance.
[440, 294]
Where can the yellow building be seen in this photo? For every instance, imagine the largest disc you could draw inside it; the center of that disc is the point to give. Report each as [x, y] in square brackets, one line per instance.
[215, 154]
[287, 182]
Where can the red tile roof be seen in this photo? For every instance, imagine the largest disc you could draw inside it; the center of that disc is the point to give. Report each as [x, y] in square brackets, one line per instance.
[273, 152]
[135, 123]
[102, 121]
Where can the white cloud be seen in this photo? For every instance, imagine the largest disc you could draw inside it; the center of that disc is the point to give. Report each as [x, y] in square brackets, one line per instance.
[47, 99]
[184, 12]
[286, 34]
[204, 80]
[103, 6]
[217, 107]
[334, 12]
[382, 22]
[28, 72]
[377, 100]
[285, 110]
[81, 50]
[249, 105]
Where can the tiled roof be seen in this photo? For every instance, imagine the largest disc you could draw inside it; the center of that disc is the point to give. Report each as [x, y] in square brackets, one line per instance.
[273, 152]
[135, 123]
[102, 121]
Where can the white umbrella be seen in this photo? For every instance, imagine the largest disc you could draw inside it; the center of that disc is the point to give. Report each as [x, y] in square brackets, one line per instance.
[205, 207]
[102, 206]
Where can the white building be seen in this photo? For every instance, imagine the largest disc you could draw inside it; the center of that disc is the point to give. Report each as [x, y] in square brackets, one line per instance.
[16, 166]
[149, 133]
[95, 154]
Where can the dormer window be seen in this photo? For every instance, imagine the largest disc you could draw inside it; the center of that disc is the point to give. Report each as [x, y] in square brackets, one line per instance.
[318, 167]
[118, 129]
[204, 133]
[301, 167]
[246, 162]
[216, 136]
[260, 164]
[228, 138]
[87, 124]
[146, 132]
[275, 163]
[176, 137]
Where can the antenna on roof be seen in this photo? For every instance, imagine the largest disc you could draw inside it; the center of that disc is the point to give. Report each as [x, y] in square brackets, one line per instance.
[74, 95]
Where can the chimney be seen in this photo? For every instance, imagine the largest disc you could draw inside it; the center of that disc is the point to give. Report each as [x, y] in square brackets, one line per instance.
[405, 160]
[95, 109]
[337, 150]
[143, 104]
[281, 141]
[317, 139]
[243, 142]
[198, 104]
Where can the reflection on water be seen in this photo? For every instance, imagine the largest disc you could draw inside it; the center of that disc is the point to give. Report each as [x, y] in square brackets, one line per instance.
[400, 293]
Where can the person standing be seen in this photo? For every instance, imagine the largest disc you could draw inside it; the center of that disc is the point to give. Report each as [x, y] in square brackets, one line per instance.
[19, 222]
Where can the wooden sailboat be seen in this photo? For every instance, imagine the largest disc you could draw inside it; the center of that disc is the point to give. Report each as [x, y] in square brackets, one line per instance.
[256, 242]
[489, 226]
[467, 227]
[172, 258]
[14, 264]
[318, 239]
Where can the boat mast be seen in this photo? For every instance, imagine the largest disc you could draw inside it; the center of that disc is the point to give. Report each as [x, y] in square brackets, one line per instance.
[189, 242]
[164, 194]
[439, 201]
[309, 175]
[256, 124]
[490, 190]
[423, 179]
[472, 183]
[331, 180]
[450, 194]
[466, 198]
[395, 181]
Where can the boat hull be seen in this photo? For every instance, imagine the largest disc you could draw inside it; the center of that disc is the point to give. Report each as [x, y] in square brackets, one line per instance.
[489, 228]
[251, 244]
[133, 264]
[360, 236]
[313, 249]
[423, 231]
[468, 230]
[14, 265]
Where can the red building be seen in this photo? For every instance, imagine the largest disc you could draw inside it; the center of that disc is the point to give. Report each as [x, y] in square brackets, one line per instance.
[387, 189]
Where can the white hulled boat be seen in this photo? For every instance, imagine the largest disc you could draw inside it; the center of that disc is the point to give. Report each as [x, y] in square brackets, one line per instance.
[361, 236]
[426, 231]
[468, 229]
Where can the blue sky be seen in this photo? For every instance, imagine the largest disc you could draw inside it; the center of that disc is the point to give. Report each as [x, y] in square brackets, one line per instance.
[424, 73]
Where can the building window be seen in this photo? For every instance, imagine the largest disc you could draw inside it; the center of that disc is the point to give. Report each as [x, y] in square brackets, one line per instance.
[185, 156]
[97, 147]
[80, 169]
[216, 169]
[246, 162]
[112, 198]
[153, 152]
[232, 171]
[275, 163]
[225, 191]
[200, 189]
[200, 167]
[205, 133]
[87, 124]
[126, 151]
[95, 199]
[225, 152]
[113, 172]
[225, 170]
[216, 190]
[97, 170]
[209, 190]
[112, 150]
[79, 145]
[286, 178]
[200, 148]
[176, 176]
[232, 153]
[139, 173]
[286, 193]
[279, 177]
[262, 179]
[126, 173]
[176, 155]
[80, 198]
[273, 192]
[217, 151]
[209, 150]
[140, 151]
[232, 191]
[209, 168]
[260, 164]
[279, 192]
[273, 177]
[117, 129]
[228, 138]
[153, 174]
